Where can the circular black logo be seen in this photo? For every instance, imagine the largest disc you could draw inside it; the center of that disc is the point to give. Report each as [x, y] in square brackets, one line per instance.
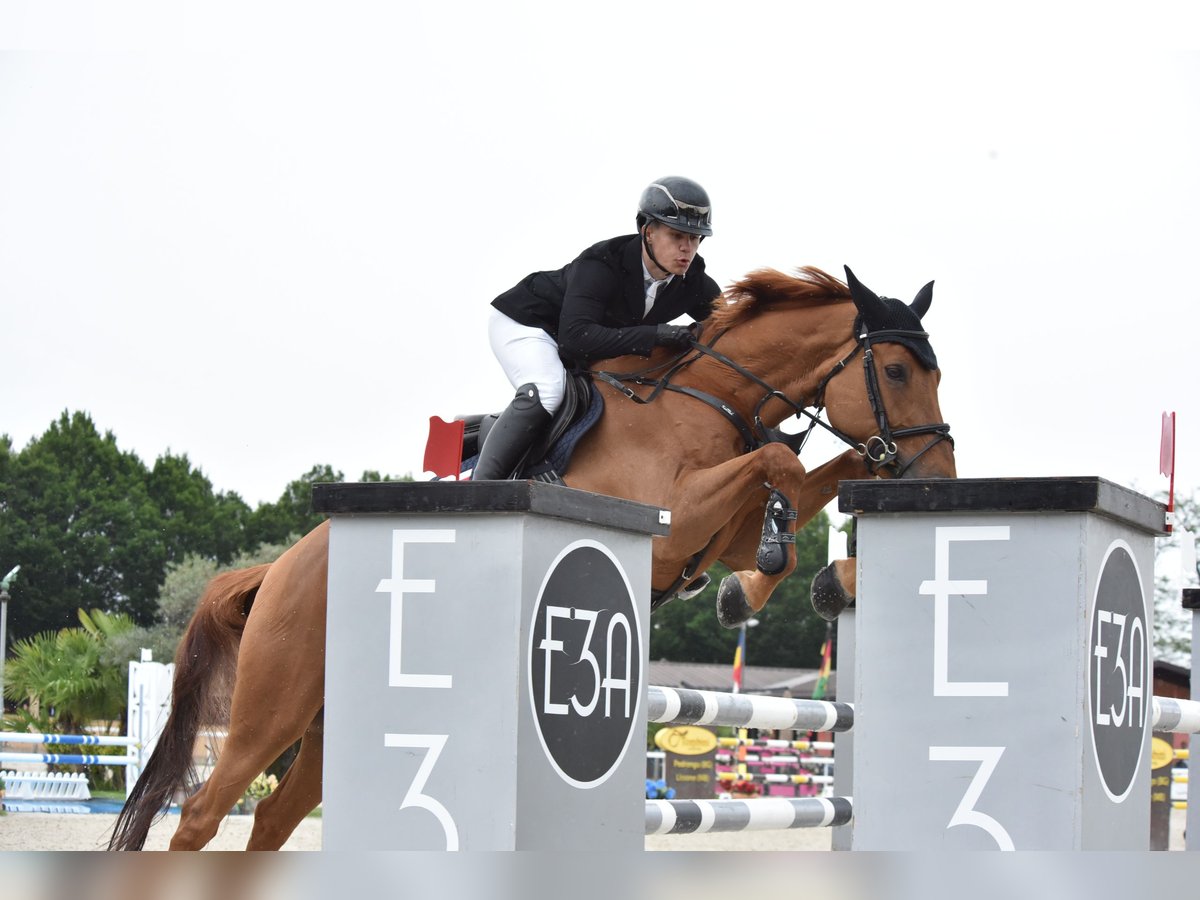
[585, 670]
[1120, 689]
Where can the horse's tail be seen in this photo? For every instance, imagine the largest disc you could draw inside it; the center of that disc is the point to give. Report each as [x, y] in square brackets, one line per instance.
[205, 667]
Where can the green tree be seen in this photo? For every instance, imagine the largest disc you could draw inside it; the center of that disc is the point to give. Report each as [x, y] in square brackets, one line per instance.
[194, 519]
[1173, 624]
[789, 633]
[92, 527]
[76, 514]
[292, 513]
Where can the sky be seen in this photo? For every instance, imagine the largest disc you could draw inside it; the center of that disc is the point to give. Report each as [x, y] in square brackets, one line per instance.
[265, 234]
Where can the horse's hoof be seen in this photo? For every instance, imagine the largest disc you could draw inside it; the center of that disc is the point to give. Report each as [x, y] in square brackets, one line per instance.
[732, 607]
[829, 598]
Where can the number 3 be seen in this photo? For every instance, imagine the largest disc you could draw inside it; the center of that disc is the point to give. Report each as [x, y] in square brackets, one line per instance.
[966, 814]
[434, 744]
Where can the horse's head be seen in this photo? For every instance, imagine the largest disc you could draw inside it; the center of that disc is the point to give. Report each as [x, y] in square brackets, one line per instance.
[889, 404]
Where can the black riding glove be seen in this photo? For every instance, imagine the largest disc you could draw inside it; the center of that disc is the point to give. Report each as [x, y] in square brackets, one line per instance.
[677, 336]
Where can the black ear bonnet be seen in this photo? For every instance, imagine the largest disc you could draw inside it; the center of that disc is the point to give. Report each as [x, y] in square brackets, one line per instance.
[877, 313]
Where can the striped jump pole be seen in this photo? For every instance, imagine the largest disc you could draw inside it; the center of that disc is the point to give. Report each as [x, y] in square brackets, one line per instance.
[780, 760]
[84, 740]
[773, 744]
[73, 759]
[759, 814]
[149, 704]
[680, 706]
[1173, 715]
[774, 778]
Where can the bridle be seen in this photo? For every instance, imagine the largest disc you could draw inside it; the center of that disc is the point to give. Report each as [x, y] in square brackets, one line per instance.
[879, 451]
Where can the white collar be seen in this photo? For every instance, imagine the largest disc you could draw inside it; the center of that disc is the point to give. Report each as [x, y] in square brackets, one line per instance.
[650, 279]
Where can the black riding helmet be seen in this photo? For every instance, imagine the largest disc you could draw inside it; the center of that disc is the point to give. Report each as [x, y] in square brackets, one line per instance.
[678, 202]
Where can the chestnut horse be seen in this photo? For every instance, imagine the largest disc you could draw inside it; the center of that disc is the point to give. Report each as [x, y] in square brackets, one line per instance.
[707, 448]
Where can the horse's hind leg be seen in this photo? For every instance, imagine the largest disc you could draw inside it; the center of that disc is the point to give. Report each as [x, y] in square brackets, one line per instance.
[277, 816]
[280, 685]
[249, 749]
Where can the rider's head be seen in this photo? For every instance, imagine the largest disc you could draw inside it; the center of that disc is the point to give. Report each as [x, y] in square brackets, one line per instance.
[677, 212]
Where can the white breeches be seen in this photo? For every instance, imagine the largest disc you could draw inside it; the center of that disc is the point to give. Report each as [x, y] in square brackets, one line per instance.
[528, 355]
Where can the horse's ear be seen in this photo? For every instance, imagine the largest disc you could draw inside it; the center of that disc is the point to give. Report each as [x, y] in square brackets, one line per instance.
[867, 301]
[920, 304]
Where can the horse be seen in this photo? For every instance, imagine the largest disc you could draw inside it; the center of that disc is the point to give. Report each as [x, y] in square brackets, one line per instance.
[695, 433]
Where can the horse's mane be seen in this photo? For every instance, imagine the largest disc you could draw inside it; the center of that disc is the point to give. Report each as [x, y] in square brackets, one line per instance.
[765, 289]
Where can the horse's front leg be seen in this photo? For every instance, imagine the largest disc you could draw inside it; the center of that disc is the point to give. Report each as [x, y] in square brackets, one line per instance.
[708, 506]
[760, 560]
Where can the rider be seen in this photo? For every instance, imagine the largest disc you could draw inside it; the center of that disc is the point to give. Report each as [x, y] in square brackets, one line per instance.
[616, 298]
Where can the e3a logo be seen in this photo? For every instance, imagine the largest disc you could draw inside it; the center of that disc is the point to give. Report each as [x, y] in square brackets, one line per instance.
[1119, 677]
[585, 663]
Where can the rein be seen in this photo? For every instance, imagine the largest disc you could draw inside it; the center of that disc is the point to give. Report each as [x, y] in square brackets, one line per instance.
[879, 451]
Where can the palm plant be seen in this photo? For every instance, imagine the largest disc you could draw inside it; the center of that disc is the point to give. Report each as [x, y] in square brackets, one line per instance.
[63, 678]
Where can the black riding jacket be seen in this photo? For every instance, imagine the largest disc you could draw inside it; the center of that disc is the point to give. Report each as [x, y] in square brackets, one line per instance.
[593, 306]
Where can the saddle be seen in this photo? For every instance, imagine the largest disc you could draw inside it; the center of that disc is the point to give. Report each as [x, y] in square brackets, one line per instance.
[547, 459]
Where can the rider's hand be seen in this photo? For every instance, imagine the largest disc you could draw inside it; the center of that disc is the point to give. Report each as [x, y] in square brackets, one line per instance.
[677, 336]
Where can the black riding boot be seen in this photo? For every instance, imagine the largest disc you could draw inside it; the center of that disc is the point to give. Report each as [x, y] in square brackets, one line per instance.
[512, 435]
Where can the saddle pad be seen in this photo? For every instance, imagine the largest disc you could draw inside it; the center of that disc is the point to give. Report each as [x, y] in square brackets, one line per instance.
[558, 457]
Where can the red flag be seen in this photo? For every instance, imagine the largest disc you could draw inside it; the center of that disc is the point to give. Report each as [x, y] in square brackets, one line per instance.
[1166, 463]
[1166, 449]
[443, 448]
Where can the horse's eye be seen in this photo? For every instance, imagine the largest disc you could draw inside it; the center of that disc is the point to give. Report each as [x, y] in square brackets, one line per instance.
[896, 372]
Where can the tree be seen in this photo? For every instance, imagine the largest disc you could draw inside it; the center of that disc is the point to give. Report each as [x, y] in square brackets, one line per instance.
[292, 514]
[77, 516]
[1173, 624]
[194, 519]
[92, 527]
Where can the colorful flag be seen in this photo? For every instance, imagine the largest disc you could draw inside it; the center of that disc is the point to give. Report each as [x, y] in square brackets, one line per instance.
[739, 660]
[826, 663]
[443, 448]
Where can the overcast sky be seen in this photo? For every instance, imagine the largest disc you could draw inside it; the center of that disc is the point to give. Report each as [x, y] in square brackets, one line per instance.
[265, 235]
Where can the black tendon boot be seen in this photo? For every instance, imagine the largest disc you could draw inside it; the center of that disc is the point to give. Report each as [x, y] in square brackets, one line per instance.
[512, 435]
[772, 548]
